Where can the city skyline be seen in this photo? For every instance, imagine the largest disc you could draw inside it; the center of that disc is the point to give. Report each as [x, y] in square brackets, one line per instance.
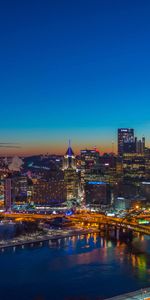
[75, 149]
[73, 70]
[13, 149]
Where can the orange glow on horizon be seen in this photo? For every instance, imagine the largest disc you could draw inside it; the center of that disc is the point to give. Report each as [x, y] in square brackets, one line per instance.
[37, 149]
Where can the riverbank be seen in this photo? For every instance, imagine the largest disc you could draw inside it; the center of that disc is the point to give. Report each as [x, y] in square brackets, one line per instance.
[49, 236]
[142, 294]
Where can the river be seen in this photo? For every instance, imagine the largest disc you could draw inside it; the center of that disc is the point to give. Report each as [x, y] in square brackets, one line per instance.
[79, 268]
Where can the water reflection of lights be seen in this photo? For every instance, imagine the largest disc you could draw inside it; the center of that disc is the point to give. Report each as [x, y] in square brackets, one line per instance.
[81, 237]
[88, 237]
[105, 244]
[73, 240]
[134, 260]
[142, 238]
[118, 244]
[141, 260]
[95, 238]
[139, 263]
[109, 244]
[102, 242]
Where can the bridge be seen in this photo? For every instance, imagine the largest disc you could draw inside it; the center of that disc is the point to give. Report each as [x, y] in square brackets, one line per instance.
[98, 220]
[111, 223]
[29, 216]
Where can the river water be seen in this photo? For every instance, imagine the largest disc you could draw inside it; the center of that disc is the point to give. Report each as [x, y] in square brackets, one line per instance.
[79, 268]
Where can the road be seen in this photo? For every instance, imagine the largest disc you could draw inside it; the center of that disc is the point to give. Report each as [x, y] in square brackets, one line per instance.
[84, 219]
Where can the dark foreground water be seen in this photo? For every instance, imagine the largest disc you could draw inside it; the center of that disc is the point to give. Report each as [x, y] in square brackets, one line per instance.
[84, 268]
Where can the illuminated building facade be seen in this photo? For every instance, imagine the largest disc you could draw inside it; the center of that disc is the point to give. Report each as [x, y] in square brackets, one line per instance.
[97, 194]
[122, 203]
[19, 188]
[69, 159]
[7, 194]
[89, 164]
[145, 189]
[140, 145]
[134, 165]
[108, 167]
[126, 141]
[71, 183]
[50, 192]
[70, 174]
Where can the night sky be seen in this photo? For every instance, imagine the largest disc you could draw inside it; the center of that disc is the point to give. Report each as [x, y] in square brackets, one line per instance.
[74, 69]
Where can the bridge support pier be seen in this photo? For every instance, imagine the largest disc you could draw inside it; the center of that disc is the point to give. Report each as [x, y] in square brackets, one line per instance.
[117, 233]
[126, 234]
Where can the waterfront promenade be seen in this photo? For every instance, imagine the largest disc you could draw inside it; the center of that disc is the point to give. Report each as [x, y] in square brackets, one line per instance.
[143, 294]
[22, 241]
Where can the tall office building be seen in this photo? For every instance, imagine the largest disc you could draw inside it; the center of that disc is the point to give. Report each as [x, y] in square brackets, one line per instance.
[126, 141]
[71, 183]
[70, 174]
[69, 158]
[89, 162]
[97, 194]
[7, 193]
[19, 188]
[52, 192]
[140, 145]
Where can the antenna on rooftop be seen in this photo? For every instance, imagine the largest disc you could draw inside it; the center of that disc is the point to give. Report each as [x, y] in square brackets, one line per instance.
[112, 147]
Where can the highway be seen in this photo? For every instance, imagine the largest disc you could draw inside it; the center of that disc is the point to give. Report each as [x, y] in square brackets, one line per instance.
[86, 218]
[27, 216]
[112, 222]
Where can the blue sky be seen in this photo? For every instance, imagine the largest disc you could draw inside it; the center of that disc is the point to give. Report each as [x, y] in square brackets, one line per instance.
[73, 69]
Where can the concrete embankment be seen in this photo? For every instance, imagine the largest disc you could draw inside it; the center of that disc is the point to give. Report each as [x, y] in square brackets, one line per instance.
[44, 238]
[143, 294]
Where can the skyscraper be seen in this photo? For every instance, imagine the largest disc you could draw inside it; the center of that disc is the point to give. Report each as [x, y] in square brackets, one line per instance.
[140, 145]
[7, 193]
[70, 174]
[126, 141]
[71, 183]
[69, 158]
[97, 193]
[89, 161]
